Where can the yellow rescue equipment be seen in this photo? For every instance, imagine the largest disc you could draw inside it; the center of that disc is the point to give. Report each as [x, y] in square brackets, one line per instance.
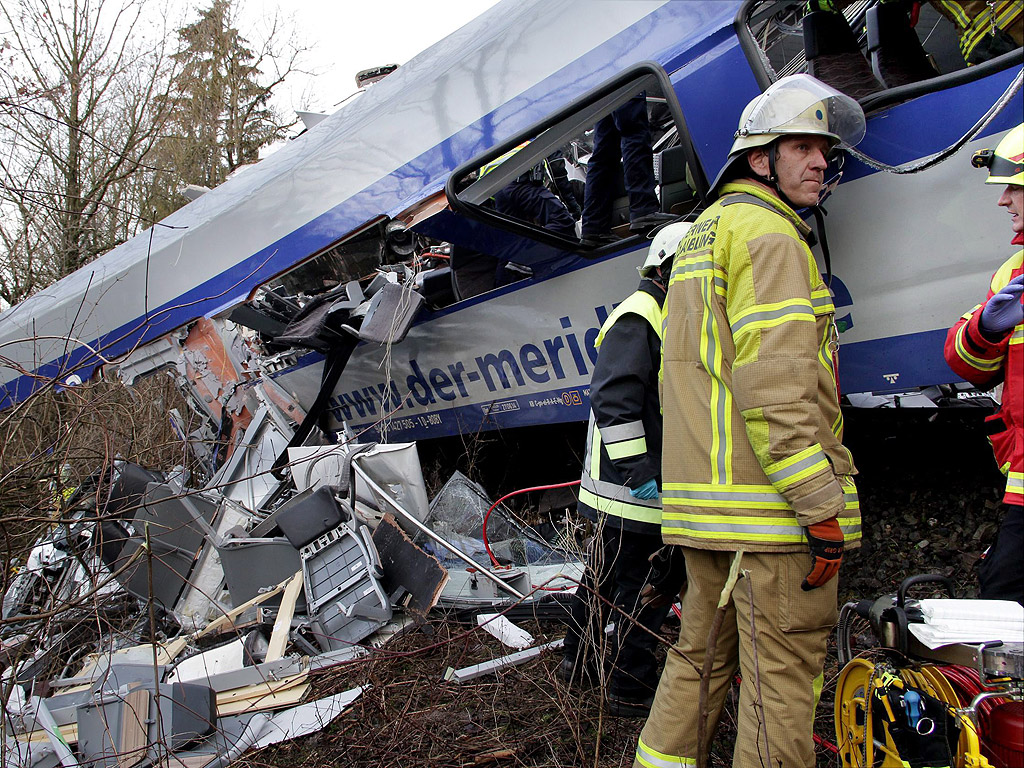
[904, 704]
[865, 718]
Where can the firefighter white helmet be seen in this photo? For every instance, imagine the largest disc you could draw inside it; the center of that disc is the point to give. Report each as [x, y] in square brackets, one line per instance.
[797, 105]
[663, 246]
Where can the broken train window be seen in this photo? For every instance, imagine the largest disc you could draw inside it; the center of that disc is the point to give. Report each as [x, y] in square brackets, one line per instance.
[614, 165]
[344, 276]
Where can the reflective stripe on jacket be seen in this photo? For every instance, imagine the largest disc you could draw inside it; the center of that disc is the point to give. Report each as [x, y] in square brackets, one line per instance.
[624, 434]
[974, 19]
[753, 432]
[986, 363]
[488, 167]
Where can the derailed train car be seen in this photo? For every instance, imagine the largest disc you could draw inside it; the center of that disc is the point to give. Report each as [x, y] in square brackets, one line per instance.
[361, 282]
[388, 188]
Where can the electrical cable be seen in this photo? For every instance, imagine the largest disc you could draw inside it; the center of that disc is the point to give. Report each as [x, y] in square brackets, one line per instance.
[486, 546]
[822, 742]
[967, 684]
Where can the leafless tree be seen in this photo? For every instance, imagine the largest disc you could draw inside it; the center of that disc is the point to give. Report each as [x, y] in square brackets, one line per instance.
[79, 110]
[105, 113]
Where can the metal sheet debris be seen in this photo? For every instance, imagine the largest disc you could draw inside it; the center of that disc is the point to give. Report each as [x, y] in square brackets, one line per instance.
[487, 667]
[306, 718]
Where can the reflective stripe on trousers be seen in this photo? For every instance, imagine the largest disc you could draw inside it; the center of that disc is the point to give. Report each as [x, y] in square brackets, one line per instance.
[650, 758]
[793, 627]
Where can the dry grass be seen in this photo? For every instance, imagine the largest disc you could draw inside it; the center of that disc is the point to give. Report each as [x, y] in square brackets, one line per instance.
[521, 716]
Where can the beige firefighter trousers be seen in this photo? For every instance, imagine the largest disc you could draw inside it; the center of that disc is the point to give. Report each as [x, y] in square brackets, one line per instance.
[792, 633]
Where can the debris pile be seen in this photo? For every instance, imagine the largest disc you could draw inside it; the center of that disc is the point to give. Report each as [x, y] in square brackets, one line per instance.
[159, 623]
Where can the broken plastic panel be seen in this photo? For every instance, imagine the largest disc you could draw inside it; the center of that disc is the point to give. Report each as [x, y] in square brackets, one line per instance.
[330, 466]
[411, 577]
[115, 729]
[206, 665]
[457, 513]
[253, 565]
[341, 569]
[200, 601]
[395, 467]
[246, 477]
[390, 315]
[175, 537]
[315, 466]
[343, 586]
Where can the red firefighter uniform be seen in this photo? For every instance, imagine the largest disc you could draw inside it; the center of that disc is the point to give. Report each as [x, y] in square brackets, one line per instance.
[986, 363]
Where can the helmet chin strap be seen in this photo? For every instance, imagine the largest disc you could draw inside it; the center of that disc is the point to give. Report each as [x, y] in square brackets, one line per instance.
[658, 278]
[773, 179]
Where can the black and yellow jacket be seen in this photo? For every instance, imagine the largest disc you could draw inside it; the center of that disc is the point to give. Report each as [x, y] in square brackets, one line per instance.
[624, 434]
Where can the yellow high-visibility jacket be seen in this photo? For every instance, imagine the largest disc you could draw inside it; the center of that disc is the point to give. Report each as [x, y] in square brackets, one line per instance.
[975, 20]
[752, 428]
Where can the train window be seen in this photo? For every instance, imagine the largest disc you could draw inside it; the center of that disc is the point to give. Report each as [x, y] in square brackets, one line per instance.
[351, 259]
[613, 165]
[881, 52]
[381, 245]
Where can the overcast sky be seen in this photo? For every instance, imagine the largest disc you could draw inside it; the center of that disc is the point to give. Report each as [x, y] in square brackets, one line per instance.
[346, 36]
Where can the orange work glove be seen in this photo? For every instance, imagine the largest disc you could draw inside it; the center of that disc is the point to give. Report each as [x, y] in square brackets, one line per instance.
[826, 542]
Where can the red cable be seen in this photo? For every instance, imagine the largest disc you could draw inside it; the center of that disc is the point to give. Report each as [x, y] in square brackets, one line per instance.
[967, 685]
[826, 744]
[487, 546]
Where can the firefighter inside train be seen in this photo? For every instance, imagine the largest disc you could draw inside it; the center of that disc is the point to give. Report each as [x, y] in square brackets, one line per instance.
[599, 178]
[983, 30]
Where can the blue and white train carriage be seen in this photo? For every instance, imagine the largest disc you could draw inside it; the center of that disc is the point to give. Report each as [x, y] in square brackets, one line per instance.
[391, 179]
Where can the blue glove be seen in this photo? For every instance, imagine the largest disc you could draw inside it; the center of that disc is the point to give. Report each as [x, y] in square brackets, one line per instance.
[648, 490]
[1004, 310]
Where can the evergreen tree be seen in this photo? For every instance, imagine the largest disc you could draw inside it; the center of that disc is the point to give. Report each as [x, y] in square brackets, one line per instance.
[220, 115]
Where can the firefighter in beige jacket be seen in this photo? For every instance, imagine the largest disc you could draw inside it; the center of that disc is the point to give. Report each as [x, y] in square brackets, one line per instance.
[753, 459]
